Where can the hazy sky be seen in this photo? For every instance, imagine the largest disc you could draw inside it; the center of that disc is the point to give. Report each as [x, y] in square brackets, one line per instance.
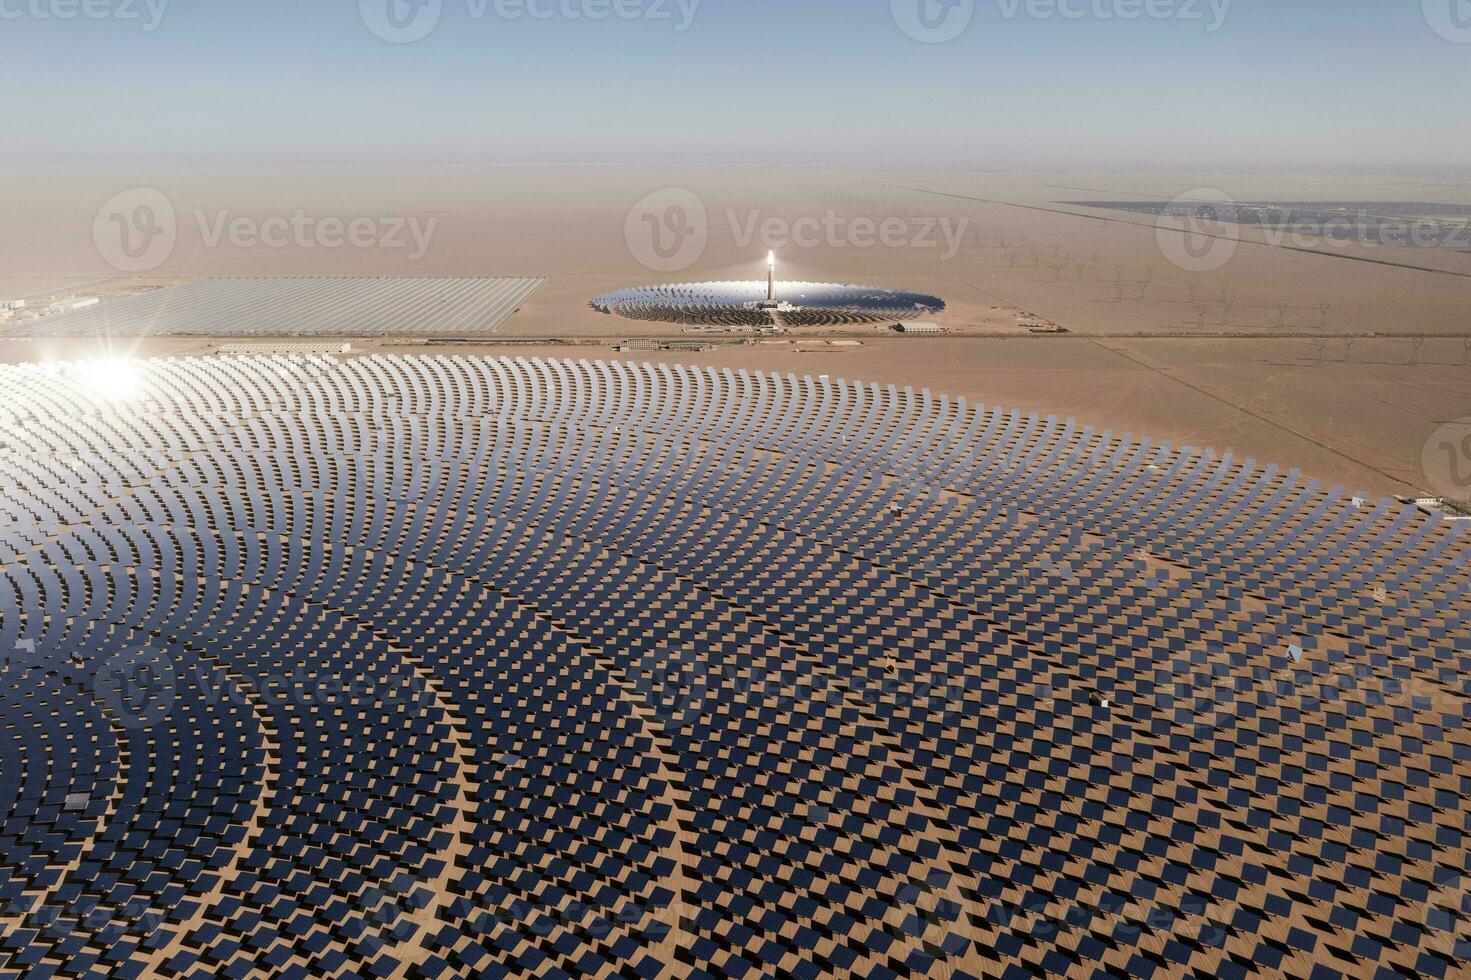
[1265, 83]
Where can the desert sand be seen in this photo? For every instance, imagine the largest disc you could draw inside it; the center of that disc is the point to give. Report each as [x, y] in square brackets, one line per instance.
[1337, 360]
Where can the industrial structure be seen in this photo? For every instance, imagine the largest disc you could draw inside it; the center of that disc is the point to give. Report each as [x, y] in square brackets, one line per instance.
[772, 303]
[73, 305]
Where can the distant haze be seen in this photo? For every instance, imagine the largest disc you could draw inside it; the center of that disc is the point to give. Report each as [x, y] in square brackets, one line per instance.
[1124, 83]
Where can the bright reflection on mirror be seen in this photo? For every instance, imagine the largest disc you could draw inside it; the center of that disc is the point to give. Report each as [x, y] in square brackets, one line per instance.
[113, 379]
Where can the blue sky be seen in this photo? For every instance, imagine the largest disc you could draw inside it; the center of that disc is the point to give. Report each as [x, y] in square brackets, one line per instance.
[1281, 83]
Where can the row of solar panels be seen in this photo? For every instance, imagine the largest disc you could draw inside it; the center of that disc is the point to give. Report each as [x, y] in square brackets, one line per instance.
[306, 306]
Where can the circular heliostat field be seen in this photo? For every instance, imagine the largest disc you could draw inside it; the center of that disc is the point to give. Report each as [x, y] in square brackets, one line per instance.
[412, 667]
[746, 304]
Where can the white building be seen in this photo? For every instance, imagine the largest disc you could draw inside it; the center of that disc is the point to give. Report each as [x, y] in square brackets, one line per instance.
[918, 327]
[74, 304]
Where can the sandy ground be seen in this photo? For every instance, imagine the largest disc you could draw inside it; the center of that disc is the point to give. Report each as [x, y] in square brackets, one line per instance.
[1225, 358]
[1089, 270]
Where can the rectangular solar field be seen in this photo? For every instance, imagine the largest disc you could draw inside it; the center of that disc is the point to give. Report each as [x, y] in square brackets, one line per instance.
[307, 306]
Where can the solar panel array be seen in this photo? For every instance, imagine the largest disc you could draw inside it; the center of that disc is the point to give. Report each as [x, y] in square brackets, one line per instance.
[734, 304]
[306, 306]
[458, 666]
